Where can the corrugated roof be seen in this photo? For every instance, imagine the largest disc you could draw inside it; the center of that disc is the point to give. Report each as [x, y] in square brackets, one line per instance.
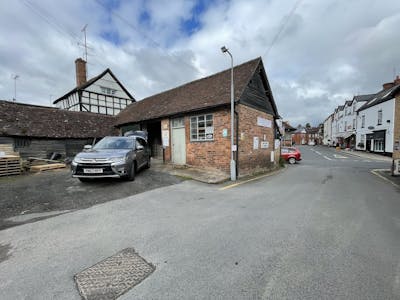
[208, 92]
[19, 119]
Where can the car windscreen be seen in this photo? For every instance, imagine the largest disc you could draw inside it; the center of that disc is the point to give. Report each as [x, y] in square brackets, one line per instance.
[114, 143]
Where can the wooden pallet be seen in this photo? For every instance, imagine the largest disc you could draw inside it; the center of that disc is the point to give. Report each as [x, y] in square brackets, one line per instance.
[10, 165]
[8, 149]
[47, 167]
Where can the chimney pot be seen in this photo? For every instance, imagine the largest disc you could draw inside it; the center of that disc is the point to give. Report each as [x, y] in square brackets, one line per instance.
[397, 80]
[388, 85]
[80, 67]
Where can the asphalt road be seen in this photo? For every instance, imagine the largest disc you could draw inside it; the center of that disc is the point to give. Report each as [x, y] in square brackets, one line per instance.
[326, 228]
[33, 197]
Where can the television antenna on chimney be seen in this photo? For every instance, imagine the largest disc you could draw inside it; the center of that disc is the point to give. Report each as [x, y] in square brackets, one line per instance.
[85, 45]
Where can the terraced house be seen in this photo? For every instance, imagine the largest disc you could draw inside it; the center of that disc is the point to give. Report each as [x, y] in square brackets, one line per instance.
[190, 124]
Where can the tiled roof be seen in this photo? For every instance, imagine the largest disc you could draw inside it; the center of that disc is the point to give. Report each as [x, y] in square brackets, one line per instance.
[18, 119]
[361, 98]
[381, 96]
[91, 81]
[208, 92]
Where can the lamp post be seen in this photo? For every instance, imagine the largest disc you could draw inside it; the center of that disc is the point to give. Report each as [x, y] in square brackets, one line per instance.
[233, 163]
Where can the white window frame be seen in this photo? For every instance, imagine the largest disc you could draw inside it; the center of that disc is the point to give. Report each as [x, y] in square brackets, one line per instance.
[363, 121]
[380, 114]
[195, 130]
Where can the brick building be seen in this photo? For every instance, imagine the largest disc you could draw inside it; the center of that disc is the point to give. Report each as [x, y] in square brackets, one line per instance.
[190, 124]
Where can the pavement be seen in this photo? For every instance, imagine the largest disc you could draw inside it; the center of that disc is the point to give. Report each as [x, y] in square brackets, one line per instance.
[385, 174]
[205, 175]
[367, 155]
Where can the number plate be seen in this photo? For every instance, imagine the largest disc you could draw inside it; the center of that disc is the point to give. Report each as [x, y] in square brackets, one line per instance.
[92, 171]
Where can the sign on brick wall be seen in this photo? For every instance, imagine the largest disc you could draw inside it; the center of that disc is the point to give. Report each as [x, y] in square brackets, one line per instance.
[264, 122]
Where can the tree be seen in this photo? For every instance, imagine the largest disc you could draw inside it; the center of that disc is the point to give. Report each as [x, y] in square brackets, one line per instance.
[308, 125]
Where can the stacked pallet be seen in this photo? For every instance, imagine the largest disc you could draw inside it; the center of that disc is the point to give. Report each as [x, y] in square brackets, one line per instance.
[10, 161]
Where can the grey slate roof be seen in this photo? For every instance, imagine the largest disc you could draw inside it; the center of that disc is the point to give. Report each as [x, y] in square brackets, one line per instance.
[381, 96]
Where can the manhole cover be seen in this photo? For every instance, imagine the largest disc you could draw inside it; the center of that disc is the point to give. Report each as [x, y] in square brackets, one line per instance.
[113, 276]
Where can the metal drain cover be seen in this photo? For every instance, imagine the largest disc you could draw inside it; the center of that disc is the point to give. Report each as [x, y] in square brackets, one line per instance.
[113, 276]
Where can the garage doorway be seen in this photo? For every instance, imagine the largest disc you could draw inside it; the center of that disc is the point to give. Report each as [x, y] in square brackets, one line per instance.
[178, 141]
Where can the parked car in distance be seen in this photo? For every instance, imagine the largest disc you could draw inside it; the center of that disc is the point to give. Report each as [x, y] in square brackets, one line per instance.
[291, 154]
[113, 156]
[311, 143]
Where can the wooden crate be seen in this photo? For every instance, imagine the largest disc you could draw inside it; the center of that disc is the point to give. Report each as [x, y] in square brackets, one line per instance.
[10, 165]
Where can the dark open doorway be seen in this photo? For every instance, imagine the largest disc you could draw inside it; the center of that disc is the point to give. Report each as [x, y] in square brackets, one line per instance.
[154, 131]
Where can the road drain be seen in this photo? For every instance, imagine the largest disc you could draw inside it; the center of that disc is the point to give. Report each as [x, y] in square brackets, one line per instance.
[113, 276]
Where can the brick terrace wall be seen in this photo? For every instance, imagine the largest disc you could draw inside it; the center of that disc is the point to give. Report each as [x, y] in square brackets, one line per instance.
[211, 154]
[396, 153]
[254, 160]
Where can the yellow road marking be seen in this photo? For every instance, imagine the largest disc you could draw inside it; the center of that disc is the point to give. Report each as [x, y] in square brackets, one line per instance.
[375, 172]
[246, 181]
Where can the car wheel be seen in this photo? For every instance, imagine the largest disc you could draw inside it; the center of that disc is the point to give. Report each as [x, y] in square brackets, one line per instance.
[148, 164]
[132, 171]
[84, 179]
[292, 160]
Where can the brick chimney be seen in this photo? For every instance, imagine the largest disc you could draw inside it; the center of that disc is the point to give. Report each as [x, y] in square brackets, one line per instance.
[80, 66]
[387, 85]
[397, 80]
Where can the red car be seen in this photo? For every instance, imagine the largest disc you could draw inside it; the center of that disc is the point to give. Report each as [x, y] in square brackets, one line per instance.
[290, 154]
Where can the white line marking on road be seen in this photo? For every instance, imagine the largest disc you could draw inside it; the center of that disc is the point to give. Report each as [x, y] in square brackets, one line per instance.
[326, 157]
[249, 180]
[318, 152]
[339, 156]
[375, 172]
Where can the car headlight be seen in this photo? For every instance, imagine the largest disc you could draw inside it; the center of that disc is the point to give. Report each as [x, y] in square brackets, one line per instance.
[118, 160]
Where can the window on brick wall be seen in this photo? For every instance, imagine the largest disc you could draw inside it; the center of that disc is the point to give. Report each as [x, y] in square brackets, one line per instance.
[202, 128]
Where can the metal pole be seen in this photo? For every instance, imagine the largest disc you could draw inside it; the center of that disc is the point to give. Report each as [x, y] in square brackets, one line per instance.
[15, 87]
[232, 163]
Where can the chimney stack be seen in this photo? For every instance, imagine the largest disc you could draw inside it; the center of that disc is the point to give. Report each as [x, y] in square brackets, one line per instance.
[80, 66]
[388, 85]
[397, 80]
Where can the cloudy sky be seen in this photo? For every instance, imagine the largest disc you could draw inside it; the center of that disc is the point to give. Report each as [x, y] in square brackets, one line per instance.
[317, 53]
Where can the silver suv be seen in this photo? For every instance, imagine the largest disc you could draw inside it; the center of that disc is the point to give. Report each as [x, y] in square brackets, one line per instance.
[113, 156]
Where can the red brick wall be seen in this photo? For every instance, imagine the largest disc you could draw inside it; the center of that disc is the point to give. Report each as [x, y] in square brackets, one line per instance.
[254, 160]
[216, 154]
[212, 154]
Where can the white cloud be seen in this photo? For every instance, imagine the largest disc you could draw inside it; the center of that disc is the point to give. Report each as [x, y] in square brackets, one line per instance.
[329, 50]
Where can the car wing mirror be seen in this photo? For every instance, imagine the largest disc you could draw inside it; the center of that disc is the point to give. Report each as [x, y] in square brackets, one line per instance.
[139, 147]
[87, 147]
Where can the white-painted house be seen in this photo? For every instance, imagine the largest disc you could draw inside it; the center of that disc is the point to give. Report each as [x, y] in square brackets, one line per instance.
[327, 139]
[103, 94]
[375, 121]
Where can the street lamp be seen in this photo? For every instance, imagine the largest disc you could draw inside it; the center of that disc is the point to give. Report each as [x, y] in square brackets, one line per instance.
[233, 163]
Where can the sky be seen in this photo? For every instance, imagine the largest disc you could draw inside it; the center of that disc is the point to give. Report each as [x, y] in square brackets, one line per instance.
[317, 54]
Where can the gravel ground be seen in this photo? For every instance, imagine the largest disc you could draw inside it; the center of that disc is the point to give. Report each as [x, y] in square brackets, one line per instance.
[32, 197]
